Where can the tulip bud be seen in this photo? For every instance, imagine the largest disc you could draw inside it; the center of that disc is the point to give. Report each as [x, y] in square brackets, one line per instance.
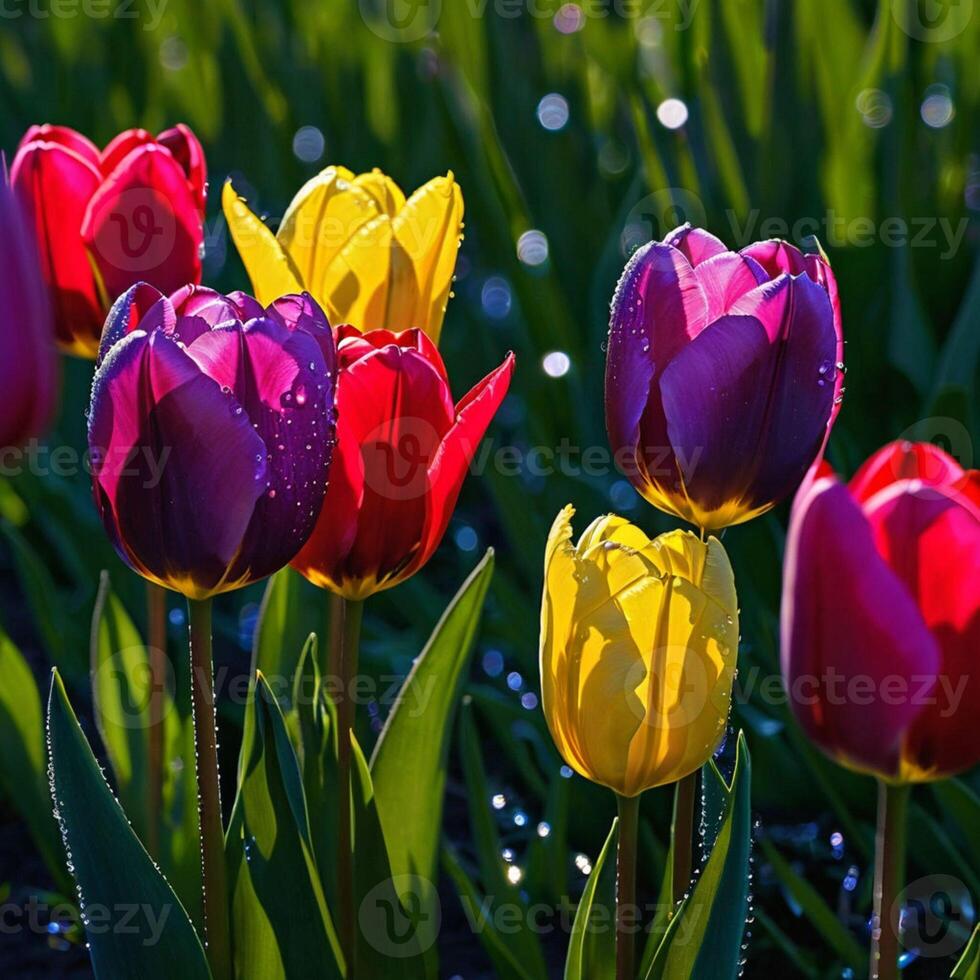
[724, 374]
[403, 450]
[639, 640]
[106, 220]
[211, 429]
[881, 614]
[371, 258]
[28, 362]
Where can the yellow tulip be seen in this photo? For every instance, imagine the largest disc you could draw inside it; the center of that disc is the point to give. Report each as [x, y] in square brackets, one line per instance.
[638, 646]
[367, 255]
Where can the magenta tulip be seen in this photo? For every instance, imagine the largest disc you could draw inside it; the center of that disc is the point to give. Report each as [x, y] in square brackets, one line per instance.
[724, 373]
[211, 430]
[881, 614]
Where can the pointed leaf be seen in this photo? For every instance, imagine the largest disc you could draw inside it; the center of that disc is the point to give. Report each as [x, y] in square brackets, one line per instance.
[134, 923]
[704, 938]
[279, 915]
[592, 947]
[409, 762]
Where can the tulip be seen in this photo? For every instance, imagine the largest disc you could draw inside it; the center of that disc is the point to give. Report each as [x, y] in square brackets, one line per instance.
[210, 433]
[211, 428]
[367, 255]
[28, 363]
[882, 584]
[402, 453]
[881, 623]
[403, 450]
[105, 220]
[638, 646]
[724, 374]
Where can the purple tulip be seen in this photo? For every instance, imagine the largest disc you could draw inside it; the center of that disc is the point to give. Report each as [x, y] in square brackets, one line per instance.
[29, 361]
[211, 430]
[724, 373]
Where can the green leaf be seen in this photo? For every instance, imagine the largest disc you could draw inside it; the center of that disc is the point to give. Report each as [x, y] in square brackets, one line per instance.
[122, 685]
[704, 938]
[819, 914]
[22, 760]
[968, 967]
[408, 766]
[280, 922]
[592, 946]
[290, 604]
[134, 923]
[962, 805]
[395, 921]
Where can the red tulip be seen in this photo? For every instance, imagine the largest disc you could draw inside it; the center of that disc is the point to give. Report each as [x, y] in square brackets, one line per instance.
[881, 614]
[402, 453]
[28, 360]
[106, 220]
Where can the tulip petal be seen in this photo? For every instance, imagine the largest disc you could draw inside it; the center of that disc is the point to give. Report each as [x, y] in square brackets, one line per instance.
[64, 136]
[850, 634]
[425, 248]
[54, 184]
[279, 379]
[725, 278]
[777, 257]
[143, 223]
[178, 471]
[121, 146]
[451, 463]
[323, 217]
[129, 312]
[747, 408]
[903, 460]
[929, 534]
[29, 365]
[268, 266]
[187, 151]
[696, 244]
[658, 308]
[386, 193]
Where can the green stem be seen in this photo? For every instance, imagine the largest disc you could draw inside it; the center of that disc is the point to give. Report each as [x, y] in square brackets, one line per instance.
[352, 613]
[682, 827]
[216, 929]
[890, 839]
[626, 914]
[156, 610]
[330, 664]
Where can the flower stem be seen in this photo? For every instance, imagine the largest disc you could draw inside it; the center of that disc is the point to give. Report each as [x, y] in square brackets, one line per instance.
[893, 804]
[682, 828]
[353, 610]
[156, 609]
[629, 816]
[330, 660]
[216, 929]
